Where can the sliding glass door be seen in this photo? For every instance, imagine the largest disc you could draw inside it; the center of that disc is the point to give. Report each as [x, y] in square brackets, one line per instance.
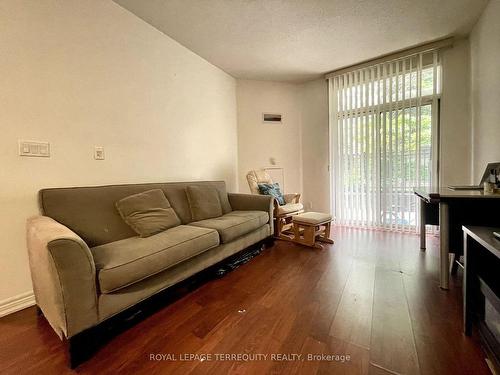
[384, 122]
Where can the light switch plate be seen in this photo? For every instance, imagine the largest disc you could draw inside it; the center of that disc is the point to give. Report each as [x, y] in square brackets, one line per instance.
[99, 153]
[34, 149]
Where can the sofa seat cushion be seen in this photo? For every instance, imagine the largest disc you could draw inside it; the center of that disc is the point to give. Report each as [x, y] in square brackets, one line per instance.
[235, 224]
[125, 262]
[289, 208]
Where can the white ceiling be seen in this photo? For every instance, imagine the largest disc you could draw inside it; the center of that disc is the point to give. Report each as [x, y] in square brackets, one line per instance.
[294, 40]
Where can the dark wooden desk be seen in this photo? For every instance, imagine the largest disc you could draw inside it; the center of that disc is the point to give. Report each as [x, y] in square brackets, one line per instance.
[482, 287]
[454, 208]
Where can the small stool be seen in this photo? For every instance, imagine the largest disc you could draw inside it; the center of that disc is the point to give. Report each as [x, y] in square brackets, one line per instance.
[310, 227]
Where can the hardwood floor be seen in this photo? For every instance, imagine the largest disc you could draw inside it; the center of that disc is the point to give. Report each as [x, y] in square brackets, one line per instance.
[372, 296]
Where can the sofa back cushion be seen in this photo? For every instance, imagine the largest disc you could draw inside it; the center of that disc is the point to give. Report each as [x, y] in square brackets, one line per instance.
[90, 211]
[148, 213]
[204, 202]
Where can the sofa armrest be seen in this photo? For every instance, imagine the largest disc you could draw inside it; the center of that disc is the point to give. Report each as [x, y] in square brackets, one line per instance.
[292, 198]
[63, 275]
[247, 202]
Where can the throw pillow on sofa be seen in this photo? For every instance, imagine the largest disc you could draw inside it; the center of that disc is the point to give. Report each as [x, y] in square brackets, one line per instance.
[274, 190]
[148, 213]
[204, 202]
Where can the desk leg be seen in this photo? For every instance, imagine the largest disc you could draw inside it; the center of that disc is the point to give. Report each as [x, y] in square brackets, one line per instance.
[444, 243]
[467, 285]
[422, 224]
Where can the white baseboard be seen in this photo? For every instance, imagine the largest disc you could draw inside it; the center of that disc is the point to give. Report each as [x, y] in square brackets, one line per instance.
[16, 303]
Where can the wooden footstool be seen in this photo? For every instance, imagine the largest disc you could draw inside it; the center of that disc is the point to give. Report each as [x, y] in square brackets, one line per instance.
[310, 227]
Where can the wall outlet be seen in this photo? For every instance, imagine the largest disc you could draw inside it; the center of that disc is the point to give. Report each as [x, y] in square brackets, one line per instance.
[34, 148]
[309, 205]
[99, 153]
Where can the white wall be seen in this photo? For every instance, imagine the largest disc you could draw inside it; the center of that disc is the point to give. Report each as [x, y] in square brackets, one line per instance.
[315, 145]
[85, 73]
[258, 142]
[455, 127]
[305, 110]
[485, 88]
[299, 145]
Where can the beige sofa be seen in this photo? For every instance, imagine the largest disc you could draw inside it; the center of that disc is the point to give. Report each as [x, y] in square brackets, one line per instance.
[87, 265]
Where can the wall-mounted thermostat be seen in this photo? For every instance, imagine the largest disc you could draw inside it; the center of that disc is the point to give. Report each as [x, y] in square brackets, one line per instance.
[99, 153]
[34, 148]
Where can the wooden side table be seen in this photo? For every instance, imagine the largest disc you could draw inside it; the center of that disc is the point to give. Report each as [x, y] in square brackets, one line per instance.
[310, 227]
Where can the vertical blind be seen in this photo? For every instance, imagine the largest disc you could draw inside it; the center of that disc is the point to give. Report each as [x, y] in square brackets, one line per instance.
[384, 122]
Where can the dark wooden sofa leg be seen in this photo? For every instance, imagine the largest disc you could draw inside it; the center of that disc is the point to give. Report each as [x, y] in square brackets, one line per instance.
[81, 347]
[39, 311]
[269, 241]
